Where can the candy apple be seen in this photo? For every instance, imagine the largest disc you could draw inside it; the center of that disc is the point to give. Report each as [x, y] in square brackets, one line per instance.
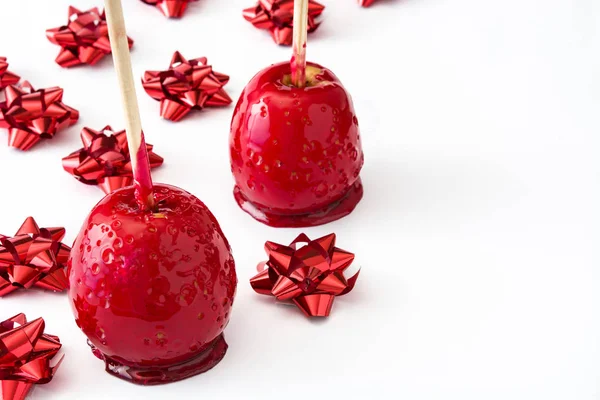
[153, 289]
[295, 151]
[151, 275]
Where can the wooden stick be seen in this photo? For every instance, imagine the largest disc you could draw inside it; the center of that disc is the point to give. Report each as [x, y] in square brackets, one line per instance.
[298, 62]
[133, 126]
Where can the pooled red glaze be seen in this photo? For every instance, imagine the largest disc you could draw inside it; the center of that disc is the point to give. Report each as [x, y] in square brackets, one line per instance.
[295, 152]
[153, 290]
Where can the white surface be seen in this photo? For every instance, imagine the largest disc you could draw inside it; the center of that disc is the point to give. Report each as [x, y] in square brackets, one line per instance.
[478, 233]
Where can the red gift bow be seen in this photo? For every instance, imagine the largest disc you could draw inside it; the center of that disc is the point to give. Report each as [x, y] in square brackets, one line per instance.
[25, 356]
[310, 275]
[6, 77]
[84, 40]
[31, 115]
[277, 16]
[186, 85]
[34, 257]
[366, 3]
[104, 159]
[170, 8]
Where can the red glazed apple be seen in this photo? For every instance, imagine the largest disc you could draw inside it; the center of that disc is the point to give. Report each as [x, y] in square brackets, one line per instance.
[153, 290]
[295, 152]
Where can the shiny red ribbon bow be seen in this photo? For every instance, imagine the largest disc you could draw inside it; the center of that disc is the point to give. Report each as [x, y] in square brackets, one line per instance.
[84, 40]
[31, 115]
[170, 8]
[6, 77]
[366, 3]
[104, 159]
[186, 85]
[277, 16]
[26, 353]
[310, 275]
[34, 257]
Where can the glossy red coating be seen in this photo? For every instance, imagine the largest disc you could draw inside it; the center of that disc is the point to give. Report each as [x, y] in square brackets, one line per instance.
[295, 153]
[366, 3]
[153, 290]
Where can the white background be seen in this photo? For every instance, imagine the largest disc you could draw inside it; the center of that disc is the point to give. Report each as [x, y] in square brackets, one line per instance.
[478, 233]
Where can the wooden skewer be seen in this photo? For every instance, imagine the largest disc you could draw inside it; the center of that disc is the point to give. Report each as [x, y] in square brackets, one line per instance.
[133, 126]
[300, 33]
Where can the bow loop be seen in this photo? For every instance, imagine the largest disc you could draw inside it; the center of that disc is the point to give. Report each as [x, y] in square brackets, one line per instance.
[7, 78]
[170, 8]
[277, 16]
[309, 273]
[104, 159]
[26, 356]
[83, 40]
[34, 257]
[31, 115]
[185, 86]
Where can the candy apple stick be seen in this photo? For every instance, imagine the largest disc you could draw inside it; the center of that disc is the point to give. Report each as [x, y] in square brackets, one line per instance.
[299, 44]
[135, 137]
